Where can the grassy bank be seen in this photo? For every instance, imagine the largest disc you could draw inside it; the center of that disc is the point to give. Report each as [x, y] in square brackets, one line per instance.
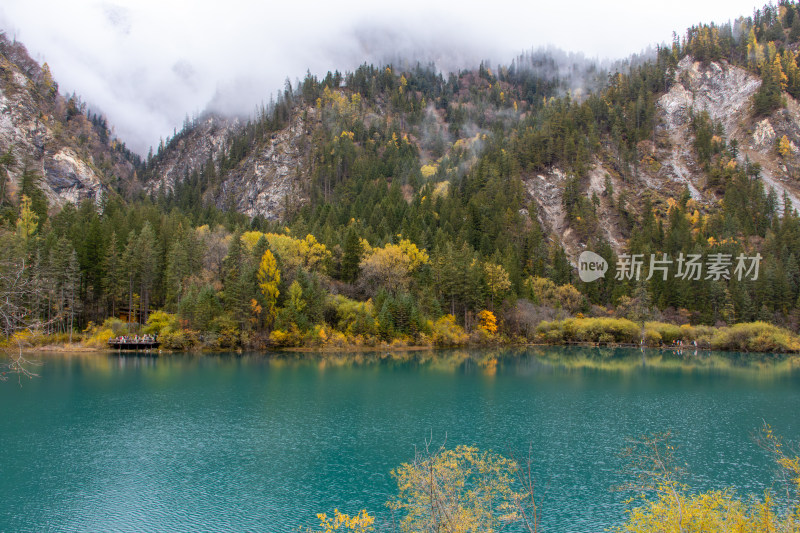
[35, 341]
[443, 333]
[745, 337]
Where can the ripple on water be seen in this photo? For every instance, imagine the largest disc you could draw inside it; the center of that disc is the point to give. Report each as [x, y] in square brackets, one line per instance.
[249, 444]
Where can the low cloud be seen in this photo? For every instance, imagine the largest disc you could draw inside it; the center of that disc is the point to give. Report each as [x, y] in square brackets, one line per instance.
[147, 64]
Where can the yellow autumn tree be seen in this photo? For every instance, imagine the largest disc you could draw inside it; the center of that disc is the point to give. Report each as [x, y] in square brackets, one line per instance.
[784, 147]
[294, 253]
[772, 52]
[47, 80]
[496, 279]
[542, 290]
[47, 77]
[789, 64]
[313, 253]
[461, 490]
[416, 256]
[269, 277]
[545, 292]
[250, 239]
[296, 302]
[392, 266]
[755, 51]
[348, 110]
[694, 217]
[778, 74]
[570, 297]
[428, 170]
[28, 220]
[487, 322]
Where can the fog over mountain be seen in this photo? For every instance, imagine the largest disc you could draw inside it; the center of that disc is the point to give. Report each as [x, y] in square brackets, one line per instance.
[147, 64]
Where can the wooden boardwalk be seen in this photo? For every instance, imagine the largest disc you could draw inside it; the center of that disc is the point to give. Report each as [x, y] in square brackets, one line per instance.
[132, 345]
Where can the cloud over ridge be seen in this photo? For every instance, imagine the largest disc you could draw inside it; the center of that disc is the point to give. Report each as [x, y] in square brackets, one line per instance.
[147, 64]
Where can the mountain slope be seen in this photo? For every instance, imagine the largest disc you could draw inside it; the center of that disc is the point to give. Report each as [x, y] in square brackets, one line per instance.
[279, 171]
[726, 93]
[265, 182]
[54, 137]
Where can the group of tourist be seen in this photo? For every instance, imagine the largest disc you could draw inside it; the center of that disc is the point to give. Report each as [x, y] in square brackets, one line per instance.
[679, 344]
[125, 339]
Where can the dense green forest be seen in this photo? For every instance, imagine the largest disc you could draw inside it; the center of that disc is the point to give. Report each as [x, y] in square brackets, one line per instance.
[417, 225]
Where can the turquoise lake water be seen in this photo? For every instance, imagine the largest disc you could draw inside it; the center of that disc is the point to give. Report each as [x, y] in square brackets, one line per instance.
[263, 442]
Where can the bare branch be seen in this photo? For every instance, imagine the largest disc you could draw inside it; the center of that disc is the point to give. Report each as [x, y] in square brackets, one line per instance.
[18, 290]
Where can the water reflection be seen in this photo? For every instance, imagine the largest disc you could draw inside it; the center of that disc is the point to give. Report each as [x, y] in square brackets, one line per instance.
[564, 358]
[488, 362]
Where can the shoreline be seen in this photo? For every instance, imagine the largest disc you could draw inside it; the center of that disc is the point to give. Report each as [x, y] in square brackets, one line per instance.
[75, 347]
[78, 347]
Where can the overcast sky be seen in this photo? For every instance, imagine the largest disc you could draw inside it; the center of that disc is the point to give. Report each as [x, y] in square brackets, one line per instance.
[148, 63]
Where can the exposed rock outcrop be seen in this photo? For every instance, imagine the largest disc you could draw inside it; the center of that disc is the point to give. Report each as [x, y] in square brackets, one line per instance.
[193, 149]
[267, 181]
[51, 136]
[723, 90]
[726, 93]
[270, 180]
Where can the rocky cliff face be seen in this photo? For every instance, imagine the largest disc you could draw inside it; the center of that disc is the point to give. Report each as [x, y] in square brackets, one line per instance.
[669, 164]
[204, 141]
[726, 93]
[266, 182]
[270, 180]
[52, 136]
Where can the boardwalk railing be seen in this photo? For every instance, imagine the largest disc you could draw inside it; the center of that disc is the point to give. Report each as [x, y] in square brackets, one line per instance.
[134, 344]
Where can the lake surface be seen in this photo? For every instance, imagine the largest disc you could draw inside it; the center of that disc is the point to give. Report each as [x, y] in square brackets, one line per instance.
[263, 442]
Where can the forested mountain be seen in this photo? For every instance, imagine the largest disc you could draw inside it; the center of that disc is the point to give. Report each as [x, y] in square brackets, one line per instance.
[375, 202]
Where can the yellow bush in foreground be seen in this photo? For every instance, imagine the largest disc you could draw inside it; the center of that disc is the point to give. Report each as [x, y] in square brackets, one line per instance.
[707, 512]
[161, 322]
[291, 338]
[360, 523]
[468, 490]
[459, 490]
[31, 339]
[666, 333]
[674, 509]
[100, 338]
[170, 332]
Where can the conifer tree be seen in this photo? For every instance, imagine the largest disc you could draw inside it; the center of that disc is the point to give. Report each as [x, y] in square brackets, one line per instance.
[114, 279]
[29, 186]
[147, 263]
[176, 272]
[236, 300]
[351, 256]
[131, 259]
